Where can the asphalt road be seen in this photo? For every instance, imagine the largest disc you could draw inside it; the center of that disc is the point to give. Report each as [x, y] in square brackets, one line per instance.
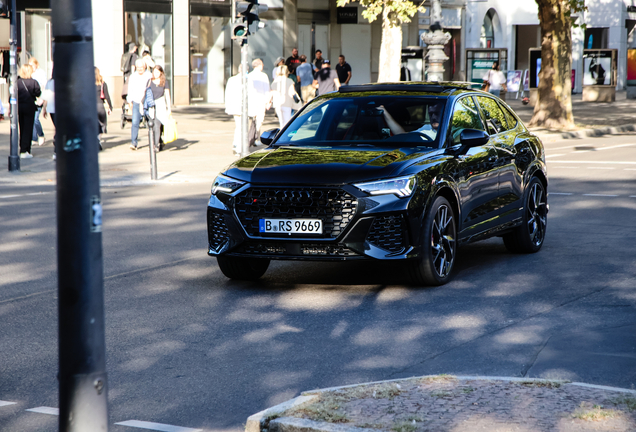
[190, 349]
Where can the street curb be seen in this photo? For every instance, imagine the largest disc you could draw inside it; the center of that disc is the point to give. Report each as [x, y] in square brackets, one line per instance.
[268, 420]
[587, 133]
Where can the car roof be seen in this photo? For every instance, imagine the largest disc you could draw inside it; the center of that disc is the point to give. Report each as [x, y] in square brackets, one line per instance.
[447, 87]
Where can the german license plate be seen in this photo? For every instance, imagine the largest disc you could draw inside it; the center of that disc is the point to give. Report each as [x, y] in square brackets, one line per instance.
[290, 226]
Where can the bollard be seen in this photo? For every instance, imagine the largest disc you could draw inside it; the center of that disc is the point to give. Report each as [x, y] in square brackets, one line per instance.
[151, 139]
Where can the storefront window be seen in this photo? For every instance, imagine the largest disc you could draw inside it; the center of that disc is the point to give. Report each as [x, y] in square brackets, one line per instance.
[152, 32]
[38, 38]
[207, 59]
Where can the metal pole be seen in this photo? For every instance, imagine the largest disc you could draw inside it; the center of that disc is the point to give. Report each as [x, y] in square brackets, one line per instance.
[151, 142]
[232, 20]
[14, 156]
[82, 353]
[244, 118]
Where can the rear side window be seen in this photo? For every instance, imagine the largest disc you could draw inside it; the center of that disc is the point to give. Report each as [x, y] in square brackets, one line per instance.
[495, 118]
[510, 118]
[465, 116]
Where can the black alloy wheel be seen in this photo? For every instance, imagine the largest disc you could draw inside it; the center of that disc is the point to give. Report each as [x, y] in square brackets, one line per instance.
[439, 248]
[248, 269]
[530, 235]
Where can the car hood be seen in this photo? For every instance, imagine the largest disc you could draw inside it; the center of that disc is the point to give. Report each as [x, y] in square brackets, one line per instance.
[323, 165]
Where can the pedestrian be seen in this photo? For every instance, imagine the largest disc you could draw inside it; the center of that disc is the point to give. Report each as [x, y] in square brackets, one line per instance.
[150, 63]
[257, 94]
[283, 96]
[161, 96]
[292, 63]
[326, 79]
[343, 69]
[279, 62]
[28, 91]
[137, 84]
[104, 105]
[48, 107]
[318, 61]
[128, 62]
[495, 80]
[233, 107]
[40, 76]
[305, 74]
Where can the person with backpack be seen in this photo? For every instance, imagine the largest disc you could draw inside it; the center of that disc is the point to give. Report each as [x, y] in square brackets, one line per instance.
[128, 61]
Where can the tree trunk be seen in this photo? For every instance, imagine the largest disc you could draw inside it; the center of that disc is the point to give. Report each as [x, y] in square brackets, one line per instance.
[391, 48]
[554, 105]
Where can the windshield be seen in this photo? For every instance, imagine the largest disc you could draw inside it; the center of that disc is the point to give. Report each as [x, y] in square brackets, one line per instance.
[371, 119]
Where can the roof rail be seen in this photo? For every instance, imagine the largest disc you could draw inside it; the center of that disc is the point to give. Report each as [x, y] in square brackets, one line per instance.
[409, 86]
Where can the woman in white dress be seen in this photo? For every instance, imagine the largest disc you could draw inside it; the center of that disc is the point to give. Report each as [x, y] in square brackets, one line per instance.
[283, 96]
[495, 79]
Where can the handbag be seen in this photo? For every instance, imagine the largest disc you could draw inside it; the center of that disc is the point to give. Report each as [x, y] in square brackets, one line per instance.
[170, 131]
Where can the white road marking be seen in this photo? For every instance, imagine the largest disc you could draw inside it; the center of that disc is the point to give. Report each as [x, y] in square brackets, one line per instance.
[559, 193]
[600, 195]
[555, 155]
[597, 162]
[602, 168]
[156, 426]
[45, 410]
[565, 167]
[616, 146]
[632, 196]
[629, 169]
[23, 195]
[5, 403]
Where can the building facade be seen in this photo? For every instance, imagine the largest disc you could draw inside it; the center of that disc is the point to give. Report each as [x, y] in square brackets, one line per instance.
[191, 38]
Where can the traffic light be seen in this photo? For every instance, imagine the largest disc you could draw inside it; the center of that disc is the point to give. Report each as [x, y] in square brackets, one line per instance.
[250, 11]
[239, 30]
[4, 9]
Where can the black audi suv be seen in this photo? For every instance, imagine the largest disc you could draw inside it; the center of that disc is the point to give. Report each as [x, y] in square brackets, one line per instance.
[405, 171]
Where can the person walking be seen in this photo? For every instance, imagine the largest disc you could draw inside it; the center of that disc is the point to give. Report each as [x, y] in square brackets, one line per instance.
[103, 98]
[257, 94]
[233, 105]
[326, 79]
[292, 63]
[495, 80]
[150, 63]
[343, 69]
[305, 74]
[48, 107]
[40, 76]
[318, 61]
[28, 91]
[161, 95]
[128, 62]
[279, 62]
[137, 84]
[283, 95]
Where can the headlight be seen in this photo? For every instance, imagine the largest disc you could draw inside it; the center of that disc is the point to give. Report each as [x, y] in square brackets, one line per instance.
[225, 184]
[400, 186]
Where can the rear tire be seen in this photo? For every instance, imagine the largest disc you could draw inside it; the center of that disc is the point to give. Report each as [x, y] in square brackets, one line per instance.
[530, 235]
[439, 246]
[248, 269]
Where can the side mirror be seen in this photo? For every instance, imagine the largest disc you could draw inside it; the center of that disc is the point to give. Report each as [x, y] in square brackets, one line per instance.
[473, 138]
[268, 136]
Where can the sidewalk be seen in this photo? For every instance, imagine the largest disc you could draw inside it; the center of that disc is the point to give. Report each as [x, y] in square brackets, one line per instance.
[459, 404]
[203, 149]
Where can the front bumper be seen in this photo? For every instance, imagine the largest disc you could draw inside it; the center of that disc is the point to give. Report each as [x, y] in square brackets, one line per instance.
[356, 226]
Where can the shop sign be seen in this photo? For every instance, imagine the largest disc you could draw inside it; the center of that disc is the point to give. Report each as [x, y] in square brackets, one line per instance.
[597, 67]
[347, 15]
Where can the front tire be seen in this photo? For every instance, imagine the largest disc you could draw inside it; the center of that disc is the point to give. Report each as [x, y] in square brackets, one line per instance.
[439, 245]
[530, 235]
[248, 269]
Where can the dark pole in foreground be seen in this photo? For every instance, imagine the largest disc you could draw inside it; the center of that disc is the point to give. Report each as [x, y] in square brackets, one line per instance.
[151, 141]
[82, 364]
[14, 156]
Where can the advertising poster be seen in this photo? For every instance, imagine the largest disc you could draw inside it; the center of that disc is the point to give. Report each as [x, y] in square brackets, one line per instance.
[513, 81]
[597, 68]
[631, 67]
[480, 69]
[526, 80]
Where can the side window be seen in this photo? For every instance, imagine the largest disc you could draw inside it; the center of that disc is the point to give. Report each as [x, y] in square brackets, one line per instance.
[309, 128]
[494, 116]
[512, 120]
[465, 116]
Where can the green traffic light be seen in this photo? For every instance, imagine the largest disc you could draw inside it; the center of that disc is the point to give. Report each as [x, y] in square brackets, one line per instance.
[241, 31]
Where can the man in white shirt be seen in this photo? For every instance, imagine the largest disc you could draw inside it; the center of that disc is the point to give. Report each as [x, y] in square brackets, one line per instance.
[40, 76]
[233, 102]
[257, 94]
[137, 84]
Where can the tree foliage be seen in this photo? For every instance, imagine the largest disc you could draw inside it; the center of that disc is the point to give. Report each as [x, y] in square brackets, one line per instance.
[394, 14]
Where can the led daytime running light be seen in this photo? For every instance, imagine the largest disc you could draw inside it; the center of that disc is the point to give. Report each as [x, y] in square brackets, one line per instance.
[401, 186]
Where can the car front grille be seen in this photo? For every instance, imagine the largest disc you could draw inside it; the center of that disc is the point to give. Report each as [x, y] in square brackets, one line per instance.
[217, 229]
[388, 233]
[335, 207]
[295, 249]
